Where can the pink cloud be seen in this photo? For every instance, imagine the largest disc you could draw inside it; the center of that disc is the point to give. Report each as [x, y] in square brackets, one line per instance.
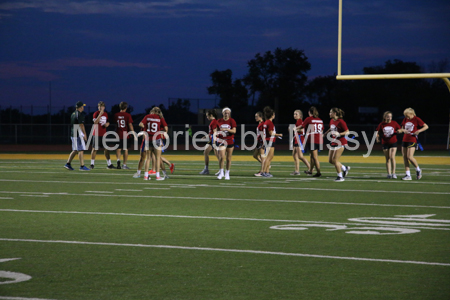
[42, 70]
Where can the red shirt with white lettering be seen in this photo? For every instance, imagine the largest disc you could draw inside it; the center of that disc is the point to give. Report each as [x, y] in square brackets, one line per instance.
[411, 126]
[268, 127]
[153, 124]
[101, 124]
[388, 132]
[228, 124]
[122, 119]
[340, 126]
[313, 130]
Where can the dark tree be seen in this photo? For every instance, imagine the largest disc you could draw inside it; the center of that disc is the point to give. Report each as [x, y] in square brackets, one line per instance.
[231, 94]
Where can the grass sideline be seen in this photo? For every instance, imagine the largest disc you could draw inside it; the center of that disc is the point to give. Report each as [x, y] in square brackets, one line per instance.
[105, 235]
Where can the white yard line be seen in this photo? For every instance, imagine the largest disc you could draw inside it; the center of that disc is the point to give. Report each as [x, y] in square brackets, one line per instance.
[230, 250]
[219, 218]
[233, 199]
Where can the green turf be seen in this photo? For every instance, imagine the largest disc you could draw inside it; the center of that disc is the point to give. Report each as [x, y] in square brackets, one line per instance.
[180, 238]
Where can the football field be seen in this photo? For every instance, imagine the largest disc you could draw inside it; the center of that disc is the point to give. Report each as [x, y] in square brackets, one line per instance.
[106, 235]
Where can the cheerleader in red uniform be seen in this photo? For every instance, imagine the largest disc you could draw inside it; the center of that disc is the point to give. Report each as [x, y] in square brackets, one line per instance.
[314, 139]
[226, 129]
[270, 135]
[259, 150]
[411, 127]
[387, 131]
[338, 130]
[298, 142]
[211, 115]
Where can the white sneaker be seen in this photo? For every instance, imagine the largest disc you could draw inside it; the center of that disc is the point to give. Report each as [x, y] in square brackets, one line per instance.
[406, 177]
[339, 179]
[419, 174]
[394, 176]
[221, 175]
[345, 173]
[160, 178]
[147, 178]
[137, 175]
[227, 177]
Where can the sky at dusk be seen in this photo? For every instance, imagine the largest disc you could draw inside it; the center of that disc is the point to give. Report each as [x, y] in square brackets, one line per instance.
[144, 52]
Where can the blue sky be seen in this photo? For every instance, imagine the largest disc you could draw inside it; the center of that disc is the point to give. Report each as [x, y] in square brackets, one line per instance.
[144, 52]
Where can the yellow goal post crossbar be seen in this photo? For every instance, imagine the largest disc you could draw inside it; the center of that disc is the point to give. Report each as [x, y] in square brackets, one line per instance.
[339, 76]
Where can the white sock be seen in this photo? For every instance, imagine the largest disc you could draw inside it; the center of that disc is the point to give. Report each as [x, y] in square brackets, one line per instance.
[408, 173]
[157, 174]
[139, 172]
[118, 160]
[340, 174]
[227, 172]
[146, 174]
[343, 168]
[92, 161]
[108, 161]
[417, 169]
[221, 171]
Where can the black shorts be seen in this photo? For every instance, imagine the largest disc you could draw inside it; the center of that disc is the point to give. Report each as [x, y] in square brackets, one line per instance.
[223, 144]
[389, 146]
[314, 146]
[409, 144]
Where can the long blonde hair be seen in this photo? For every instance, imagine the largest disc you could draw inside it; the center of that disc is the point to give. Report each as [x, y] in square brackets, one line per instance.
[157, 111]
[339, 112]
[299, 112]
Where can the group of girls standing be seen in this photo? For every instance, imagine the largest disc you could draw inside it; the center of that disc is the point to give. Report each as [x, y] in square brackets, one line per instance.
[308, 134]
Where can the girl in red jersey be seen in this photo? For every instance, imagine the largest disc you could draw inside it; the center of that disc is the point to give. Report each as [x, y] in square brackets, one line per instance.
[314, 139]
[259, 150]
[338, 130]
[211, 115]
[225, 131]
[299, 141]
[387, 131]
[411, 127]
[124, 127]
[270, 135]
[154, 124]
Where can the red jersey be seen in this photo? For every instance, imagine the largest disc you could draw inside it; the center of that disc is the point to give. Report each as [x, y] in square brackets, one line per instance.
[228, 124]
[267, 128]
[340, 126]
[259, 132]
[388, 132]
[411, 126]
[101, 123]
[314, 130]
[153, 124]
[299, 134]
[122, 120]
[213, 125]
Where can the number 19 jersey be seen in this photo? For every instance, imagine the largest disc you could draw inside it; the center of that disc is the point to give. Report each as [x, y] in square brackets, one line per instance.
[313, 130]
[153, 124]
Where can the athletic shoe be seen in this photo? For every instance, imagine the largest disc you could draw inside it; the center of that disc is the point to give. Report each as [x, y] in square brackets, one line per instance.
[419, 174]
[221, 175]
[125, 167]
[269, 175]
[68, 167]
[389, 176]
[147, 178]
[317, 175]
[339, 179]
[118, 165]
[166, 177]
[259, 174]
[406, 177]
[151, 172]
[204, 172]
[394, 176]
[136, 175]
[264, 175]
[110, 167]
[227, 177]
[308, 172]
[84, 168]
[160, 178]
[295, 173]
[92, 167]
[218, 172]
[172, 168]
[345, 173]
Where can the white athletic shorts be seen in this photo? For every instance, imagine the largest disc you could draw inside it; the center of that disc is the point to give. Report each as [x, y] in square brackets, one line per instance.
[78, 144]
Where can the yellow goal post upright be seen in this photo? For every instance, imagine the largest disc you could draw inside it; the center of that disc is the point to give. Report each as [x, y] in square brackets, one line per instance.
[339, 76]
